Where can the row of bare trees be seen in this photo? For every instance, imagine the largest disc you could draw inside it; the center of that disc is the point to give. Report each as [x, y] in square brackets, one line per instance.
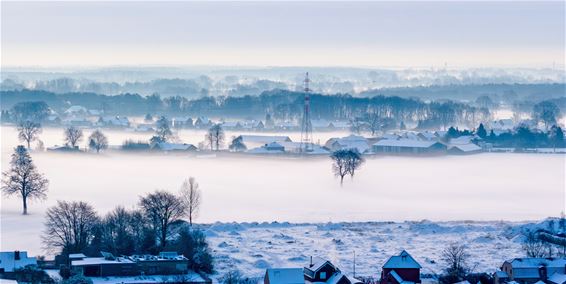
[29, 131]
[74, 226]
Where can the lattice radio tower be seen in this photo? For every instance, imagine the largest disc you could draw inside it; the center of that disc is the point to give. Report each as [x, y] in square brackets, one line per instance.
[306, 125]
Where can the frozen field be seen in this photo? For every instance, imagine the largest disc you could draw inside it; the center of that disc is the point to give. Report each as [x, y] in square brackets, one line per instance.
[511, 187]
[253, 247]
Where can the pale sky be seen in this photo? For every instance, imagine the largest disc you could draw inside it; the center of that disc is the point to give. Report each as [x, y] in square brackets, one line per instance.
[370, 34]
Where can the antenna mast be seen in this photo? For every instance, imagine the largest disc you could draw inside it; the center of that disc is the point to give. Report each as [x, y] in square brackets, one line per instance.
[306, 125]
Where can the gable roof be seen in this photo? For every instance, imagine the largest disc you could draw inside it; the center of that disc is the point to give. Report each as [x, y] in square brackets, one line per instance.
[403, 142]
[285, 275]
[403, 260]
[318, 263]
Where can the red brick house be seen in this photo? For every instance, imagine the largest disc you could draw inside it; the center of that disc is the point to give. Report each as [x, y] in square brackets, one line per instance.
[401, 269]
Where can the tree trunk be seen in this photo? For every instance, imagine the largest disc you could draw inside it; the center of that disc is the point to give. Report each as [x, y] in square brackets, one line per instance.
[25, 203]
[29, 147]
[341, 180]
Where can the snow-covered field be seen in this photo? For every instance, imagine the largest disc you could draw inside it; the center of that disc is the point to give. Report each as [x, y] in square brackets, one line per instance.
[253, 247]
[490, 186]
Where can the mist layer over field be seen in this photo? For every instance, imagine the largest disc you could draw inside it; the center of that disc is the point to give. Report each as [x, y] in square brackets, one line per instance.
[234, 188]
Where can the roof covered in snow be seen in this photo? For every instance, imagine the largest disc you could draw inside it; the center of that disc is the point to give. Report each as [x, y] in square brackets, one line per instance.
[535, 262]
[403, 260]
[175, 146]
[9, 263]
[285, 275]
[265, 139]
[317, 263]
[470, 147]
[405, 143]
[529, 267]
[558, 278]
[99, 260]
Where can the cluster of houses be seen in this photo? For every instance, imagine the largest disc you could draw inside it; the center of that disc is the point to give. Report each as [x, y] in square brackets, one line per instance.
[411, 143]
[80, 116]
[398, 269]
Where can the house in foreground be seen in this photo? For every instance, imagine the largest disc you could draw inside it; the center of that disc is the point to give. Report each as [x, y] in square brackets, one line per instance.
[401, 269]
[166, 263]
[14, 260]
[318, 271]
[531, 270]
[284, 276]
[323, 271]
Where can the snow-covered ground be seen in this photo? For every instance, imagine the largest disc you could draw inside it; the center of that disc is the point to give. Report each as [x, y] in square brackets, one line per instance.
[487, 186]
[253, 247]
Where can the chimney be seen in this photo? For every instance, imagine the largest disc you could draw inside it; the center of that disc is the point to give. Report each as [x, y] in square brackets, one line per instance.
[310, 265]
[17, 255]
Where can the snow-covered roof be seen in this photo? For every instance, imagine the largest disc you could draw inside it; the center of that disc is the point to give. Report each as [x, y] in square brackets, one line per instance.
[557, 278]
[403, 260]
[165, 146]
[9, 263]
[428, 135]
[265, 139]
[99, 260]
[405, 143]
[390, 136]
[77, 255]
[263, 150]
[76, 108]
[359, 143]
[529, 267]
[535, 262]
[318, 263]
[285, 275]
[470, 147]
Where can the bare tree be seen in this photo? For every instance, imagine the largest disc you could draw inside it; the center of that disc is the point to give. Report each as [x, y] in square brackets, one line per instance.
[97, 141]
[69, 226]
[23, 180]
[162, 208]
[373, 122]
[533, 245]
[28, 131]
[340, 164]
[215, 137]
[357, 125]
[73, 136]
[346, 161]
[354, 161]
[190, 195]
[163, 129]
[455, 256]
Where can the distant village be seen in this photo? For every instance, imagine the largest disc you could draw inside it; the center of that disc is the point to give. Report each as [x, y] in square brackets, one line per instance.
[263, 138]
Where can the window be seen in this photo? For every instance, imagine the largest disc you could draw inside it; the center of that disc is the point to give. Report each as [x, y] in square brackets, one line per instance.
[323, 275]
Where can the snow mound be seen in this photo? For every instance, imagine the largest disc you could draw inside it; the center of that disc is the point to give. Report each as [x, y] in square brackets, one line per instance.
[261, 264]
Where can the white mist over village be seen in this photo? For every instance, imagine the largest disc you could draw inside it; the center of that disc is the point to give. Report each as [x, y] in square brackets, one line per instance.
[283, 142]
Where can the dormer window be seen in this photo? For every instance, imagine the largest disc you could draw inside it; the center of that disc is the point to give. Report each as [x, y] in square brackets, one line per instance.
[323, 275]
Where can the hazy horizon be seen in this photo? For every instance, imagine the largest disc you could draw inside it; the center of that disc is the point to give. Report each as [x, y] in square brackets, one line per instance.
[273, 34]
